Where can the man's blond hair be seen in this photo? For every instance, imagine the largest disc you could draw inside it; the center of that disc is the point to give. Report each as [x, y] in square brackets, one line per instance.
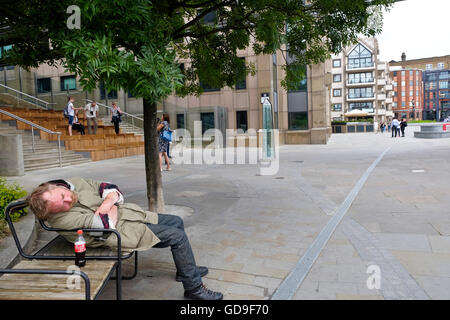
[36, 202]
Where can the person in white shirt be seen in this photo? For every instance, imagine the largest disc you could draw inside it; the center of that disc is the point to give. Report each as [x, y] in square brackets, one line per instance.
[71, 113]
[395, 127]
[91, 113]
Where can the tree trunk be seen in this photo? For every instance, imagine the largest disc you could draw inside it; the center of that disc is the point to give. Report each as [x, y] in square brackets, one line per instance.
[152, 172]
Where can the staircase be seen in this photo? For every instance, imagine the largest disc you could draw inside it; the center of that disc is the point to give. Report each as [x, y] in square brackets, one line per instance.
[127, 128]
[46, 153]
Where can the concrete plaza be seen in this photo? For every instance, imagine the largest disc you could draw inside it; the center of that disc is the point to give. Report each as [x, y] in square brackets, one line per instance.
[252, 230]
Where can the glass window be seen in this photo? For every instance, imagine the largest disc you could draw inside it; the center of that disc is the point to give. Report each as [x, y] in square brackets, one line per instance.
[68, 83]
[337, 92]
[429, 66]
[360, 93]
[360, 57]
[207, 88]
[443, 84]
[440, 65]
[180, 121]
[242, 84]
[366, 106]
[337, 78]
[336, 63]
[207, 119]
[44, 85]
[298, 120]
[111, 94]
[241, 120]
[443, 75]
[336, 107]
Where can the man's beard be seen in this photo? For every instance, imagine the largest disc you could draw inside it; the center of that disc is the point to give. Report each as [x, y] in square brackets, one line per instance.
[74, 199]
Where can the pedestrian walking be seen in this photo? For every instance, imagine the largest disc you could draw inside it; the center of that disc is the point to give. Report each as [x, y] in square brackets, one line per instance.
[116, 117]
[403, 125]
[163, 143]
[91, 114]
[389, 125]
[395, 128]
[383, 127]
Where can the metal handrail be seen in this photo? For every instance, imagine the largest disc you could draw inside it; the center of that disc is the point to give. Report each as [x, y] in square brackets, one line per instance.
[29, 96]
[123, 112]
[33, 125]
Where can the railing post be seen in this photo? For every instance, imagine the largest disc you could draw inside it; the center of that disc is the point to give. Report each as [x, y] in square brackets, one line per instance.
[59, 149]
[32, 138]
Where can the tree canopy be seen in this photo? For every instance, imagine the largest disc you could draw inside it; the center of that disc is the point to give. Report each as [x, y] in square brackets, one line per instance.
[136, 44]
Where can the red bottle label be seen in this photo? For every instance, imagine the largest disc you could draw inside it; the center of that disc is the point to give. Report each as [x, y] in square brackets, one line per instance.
[81, 247]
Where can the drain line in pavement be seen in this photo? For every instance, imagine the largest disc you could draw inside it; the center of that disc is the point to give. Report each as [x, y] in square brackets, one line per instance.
[289, 286]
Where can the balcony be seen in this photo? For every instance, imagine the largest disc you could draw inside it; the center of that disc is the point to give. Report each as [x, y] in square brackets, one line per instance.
[381, 82]
[388, 87]
[361, 67]
[381, 96]
[388, 100]
[366, 97]
[360, 82]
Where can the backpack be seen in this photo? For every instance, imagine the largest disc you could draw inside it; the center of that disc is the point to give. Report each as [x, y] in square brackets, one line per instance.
[166, 135]
[66, 111]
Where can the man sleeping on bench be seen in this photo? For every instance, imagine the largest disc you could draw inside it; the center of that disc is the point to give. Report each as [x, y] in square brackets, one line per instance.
[84, 203]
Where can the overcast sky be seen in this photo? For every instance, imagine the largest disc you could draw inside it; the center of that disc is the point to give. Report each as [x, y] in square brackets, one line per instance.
[420, 28]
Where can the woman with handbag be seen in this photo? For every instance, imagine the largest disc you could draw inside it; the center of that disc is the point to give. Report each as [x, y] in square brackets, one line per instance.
[165, 136]
[115, 117]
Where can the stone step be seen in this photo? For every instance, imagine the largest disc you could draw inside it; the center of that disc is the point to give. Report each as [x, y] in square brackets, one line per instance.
[54, 164]
[44, 157]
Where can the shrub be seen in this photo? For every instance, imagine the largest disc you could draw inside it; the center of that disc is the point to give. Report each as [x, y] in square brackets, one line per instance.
[9, 193]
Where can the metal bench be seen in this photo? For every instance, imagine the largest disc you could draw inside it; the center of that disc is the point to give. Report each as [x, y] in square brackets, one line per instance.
[50, 272]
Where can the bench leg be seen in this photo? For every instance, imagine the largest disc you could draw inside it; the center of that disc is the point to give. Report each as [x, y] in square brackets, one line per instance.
[135, 268]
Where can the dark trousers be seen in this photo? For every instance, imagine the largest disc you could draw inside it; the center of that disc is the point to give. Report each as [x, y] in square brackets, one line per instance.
[170, 230]
[79, 127]
[403, 131]
[396, 130]
[116, 122]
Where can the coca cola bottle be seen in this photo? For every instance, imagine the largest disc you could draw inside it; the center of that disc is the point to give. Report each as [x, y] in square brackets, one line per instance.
[80, 249]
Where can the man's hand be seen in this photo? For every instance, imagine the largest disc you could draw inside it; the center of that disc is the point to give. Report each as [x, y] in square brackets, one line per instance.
[108, 203]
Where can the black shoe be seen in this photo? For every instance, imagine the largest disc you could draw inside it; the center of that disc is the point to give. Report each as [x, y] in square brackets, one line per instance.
[202, 270]
[202, 293]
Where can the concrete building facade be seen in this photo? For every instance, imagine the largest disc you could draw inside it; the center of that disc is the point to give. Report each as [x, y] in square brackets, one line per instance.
[408, 93]
[360, 83]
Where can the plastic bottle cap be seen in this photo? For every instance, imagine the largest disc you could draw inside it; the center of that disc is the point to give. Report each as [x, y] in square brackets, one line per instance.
[80, 231]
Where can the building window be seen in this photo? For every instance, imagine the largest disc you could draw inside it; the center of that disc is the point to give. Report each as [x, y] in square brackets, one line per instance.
[337, 92]
[363, 77]
[337, 78]
[298, 120]
[364, 106]
[443, 84]
[360, 57]
[336, 63]
[242, 84]
[180, 121]
[207, 88]
[355, 93]
[241, 120]
[336, 107]
[403, 93]
[111, 94]
[44, 85]
[443, 75]
[68, 83]
[429, 66]
[207, 119]
[440, 65]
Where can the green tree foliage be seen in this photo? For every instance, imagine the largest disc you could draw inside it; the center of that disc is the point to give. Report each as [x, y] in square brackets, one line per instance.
[136, 45]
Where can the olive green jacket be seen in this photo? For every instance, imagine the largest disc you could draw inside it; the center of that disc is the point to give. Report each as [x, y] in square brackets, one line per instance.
[135, 235]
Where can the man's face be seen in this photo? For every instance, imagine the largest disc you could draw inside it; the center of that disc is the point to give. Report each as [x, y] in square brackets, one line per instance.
[59, 199]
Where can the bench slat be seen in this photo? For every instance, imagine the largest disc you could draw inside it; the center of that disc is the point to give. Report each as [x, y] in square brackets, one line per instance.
[52, 287]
